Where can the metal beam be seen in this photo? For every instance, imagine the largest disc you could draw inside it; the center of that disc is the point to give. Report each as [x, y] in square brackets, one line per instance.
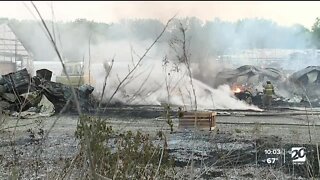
[13, 50]
[4, 44]
[6, 54]
[15, 40]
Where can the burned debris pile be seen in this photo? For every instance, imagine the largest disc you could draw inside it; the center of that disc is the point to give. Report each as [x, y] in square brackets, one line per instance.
[246, 82]
[307, 82]
[20, 92]
[299, 89]
[249, 75]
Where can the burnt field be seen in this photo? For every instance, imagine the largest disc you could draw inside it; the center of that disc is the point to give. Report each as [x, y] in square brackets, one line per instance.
[237, 148]
[144, 98]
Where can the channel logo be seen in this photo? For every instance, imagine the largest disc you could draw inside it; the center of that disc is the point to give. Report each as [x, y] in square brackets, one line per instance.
[298, 155]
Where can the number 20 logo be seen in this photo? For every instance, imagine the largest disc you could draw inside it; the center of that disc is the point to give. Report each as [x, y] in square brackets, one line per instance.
[298, 154]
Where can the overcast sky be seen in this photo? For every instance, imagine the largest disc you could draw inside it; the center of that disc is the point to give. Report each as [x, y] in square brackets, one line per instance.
[283, 12]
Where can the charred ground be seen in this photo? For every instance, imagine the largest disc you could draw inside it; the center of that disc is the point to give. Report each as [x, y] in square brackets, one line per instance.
[234, 149]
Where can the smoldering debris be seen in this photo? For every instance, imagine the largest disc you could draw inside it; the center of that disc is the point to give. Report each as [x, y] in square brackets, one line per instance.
[20, 92]
[305, 85]
[307, 81]
[299, 89]
[249, 75]
[150, 88]
[249, 79]
[307, 75]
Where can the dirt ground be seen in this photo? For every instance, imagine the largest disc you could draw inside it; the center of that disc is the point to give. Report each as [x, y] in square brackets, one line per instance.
[228, 136]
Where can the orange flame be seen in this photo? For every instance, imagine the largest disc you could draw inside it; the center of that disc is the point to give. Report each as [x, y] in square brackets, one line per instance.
[237, 90]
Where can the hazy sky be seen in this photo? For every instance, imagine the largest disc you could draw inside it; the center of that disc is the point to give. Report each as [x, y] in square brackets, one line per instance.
[282, 12]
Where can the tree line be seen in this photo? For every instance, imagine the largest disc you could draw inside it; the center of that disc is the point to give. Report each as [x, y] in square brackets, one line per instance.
[216, 36]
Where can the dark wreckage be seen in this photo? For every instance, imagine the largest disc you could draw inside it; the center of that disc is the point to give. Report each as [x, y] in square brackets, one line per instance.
[19, 92]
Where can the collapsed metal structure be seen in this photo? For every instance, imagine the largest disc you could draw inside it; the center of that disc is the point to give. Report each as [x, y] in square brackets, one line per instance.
[299, 89]
[248, 74]
[13, 54]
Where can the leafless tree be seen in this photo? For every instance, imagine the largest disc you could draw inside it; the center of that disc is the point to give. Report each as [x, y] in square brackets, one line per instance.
[108, 68]
[179, 44]
[136, 65]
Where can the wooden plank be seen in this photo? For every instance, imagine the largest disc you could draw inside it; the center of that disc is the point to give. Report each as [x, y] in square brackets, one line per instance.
[193, 121]
[194, 117]
[201, 120]
[199, 114]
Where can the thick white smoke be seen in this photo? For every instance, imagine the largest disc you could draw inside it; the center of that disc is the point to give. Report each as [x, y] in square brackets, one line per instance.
[148, 87]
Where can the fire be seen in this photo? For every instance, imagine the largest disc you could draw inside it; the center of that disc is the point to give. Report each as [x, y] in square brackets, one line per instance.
[237, 90]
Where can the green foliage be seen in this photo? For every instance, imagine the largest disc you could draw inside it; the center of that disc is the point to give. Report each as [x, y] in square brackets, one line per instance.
[237, 130]
[316, 32]
[14, 175]
[120, 155]
[257, 129]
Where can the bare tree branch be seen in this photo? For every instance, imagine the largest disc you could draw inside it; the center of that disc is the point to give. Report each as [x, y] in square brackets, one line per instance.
[108, 70]
[60, 58]
[179, 46]
[140, 60]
